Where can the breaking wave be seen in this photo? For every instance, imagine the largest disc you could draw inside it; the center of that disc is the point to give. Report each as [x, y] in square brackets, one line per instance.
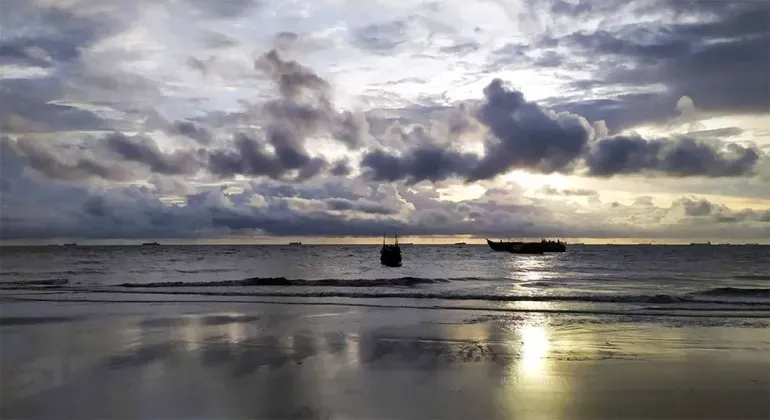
[737, 291]
[48, 282]
[282, 281]
[206, 270]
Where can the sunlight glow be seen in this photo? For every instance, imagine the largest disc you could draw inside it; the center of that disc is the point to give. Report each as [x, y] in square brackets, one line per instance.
[534, 351]
[457, 193]
[532, 181]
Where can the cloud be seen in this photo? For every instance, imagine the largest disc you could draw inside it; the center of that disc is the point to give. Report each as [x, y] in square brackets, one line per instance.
[683, 156]
[193, 131]
[524, 135]
[527, 136]
[570, 192]
[145, 151]
[250, 157]
[720, 60]
[432, 163]
[57, 164]
[340, 168]
[158, 121]
[341, 204]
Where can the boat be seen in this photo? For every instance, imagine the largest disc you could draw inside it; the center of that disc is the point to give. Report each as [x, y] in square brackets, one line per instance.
[390, 255]
[700, 243]
[531, 247]
[553, 246]
[70, 244]
[460, 243]
[150, 244]
[526, 248]
[295, 243]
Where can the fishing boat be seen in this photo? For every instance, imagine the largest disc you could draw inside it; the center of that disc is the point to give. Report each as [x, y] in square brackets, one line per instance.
[295, 243]
[526, 248]
[390, 255]
[150, 244]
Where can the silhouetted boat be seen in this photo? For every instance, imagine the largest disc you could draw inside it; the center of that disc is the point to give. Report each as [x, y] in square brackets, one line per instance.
[390, 255]
[70, 244]
[150, 244]
[700, 243]
[295, 243]
[460, 243]
[528, 247]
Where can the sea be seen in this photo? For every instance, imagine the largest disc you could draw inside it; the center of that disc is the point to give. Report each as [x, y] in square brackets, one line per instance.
[725, 284]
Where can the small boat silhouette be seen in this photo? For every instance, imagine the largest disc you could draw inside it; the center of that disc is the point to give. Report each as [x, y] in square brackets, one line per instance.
[390, 255]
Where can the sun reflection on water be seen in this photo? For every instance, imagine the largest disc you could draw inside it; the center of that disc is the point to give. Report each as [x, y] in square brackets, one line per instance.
[527, 268]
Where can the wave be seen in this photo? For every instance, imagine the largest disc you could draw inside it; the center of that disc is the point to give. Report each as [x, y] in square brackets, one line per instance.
[632, 299]
[206, 270]
[283, 281]
[542, 284]
[753, 277]
[48, 282]
[736, 291]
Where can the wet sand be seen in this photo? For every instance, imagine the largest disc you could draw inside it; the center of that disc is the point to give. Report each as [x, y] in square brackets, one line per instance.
[274, 361]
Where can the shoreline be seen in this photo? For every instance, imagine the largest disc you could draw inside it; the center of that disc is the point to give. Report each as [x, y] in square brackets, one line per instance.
[274, 360]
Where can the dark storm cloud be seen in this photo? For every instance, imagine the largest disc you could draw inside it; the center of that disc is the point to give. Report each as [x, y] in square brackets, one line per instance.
[680, 157]
[292, 78]
[145, 151]
[250, 157]
[721, 63]
[432, 163]
[526, 135]
[364, 206]
[305, 106]
[193, 131]
[697, 208]
[341, 168]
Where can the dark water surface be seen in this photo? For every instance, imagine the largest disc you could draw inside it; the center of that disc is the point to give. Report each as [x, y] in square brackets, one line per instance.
[732, 280]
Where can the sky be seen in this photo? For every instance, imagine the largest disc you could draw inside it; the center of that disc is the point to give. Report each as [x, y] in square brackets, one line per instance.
[239, 121]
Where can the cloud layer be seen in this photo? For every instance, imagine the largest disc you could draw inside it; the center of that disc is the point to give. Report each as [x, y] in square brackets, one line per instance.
[184, 119]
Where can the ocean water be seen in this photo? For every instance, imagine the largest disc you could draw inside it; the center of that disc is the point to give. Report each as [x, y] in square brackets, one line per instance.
[692, 281]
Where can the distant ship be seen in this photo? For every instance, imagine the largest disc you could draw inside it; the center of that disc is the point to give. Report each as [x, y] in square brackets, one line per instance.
[528, 247]
[700, 243]
[70, 244]
[295, 243]
[150, 244]
[460, 243]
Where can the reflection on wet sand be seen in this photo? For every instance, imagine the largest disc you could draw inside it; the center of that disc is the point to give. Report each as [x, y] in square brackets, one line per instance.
[533, 363]
[294, 362]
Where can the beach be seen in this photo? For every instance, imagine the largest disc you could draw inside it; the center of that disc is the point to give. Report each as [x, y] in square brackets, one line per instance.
[197, 357]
